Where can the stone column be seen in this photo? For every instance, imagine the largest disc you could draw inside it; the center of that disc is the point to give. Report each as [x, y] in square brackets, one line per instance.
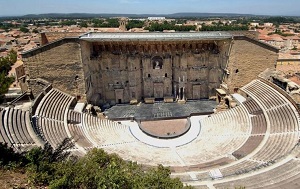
[179, 95]
[175, 93]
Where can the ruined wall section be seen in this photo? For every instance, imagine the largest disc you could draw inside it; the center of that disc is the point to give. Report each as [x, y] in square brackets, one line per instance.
[247, 59]
[49, 37]
[202, 68]
[111, 76]
[248, 34]
[216, 64]
[58, 63]
[133, 77]
[90, 72]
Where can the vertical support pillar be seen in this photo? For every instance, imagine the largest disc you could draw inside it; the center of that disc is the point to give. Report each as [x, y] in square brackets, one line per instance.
[175, 92]
[179, 91]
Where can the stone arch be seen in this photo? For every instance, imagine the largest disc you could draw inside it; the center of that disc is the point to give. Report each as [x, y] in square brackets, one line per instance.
[157, 62]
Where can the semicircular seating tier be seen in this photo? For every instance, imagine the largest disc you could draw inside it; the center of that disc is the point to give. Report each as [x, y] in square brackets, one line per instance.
[16, 129]
[51, 113]
[269, 158]
[245, 145]
[247, 139]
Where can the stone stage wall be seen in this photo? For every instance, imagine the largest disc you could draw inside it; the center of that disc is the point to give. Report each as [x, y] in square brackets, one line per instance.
[121, 72]
[118, 72]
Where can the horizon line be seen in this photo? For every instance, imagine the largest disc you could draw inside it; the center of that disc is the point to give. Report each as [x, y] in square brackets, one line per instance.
[223, 13]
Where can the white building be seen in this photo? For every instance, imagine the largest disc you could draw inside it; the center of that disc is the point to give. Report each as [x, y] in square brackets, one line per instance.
[254, 24]
[268, 24]
[156, 18]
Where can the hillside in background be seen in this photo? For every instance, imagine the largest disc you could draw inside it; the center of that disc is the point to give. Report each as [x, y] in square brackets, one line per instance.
[92, 15]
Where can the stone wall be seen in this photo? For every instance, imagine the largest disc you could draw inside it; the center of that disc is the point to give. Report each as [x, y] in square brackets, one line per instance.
[37, 85]
[109, 72]
[58, 63]
[288, 66]
[249, 34]
[247, 59]
[121, 72]
[48, 37]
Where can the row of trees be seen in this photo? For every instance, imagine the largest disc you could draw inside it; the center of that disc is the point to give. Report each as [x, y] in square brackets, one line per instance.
[108, 23]
[168, 26]
[215, 27]
[135, 24]
[9, 26]
[223, 27]
[68, 22]
[5, 66]
[97, 169]
[280, 20]
[6, 26]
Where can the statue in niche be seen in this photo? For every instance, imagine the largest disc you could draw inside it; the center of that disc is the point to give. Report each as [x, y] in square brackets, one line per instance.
[157, 65]
[157, 62]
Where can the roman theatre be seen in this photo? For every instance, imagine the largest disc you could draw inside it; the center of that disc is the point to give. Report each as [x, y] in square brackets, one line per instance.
[209, 105]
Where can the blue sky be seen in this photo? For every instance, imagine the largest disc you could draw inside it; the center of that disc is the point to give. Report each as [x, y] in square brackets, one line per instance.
[268, 7]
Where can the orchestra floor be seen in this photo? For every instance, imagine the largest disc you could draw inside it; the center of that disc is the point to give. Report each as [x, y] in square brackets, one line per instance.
[160, 110]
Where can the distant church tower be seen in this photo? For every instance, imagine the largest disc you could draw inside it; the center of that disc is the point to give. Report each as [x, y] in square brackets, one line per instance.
[123, 23]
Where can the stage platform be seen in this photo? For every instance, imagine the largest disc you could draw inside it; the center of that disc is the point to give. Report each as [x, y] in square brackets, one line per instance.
[160, 110]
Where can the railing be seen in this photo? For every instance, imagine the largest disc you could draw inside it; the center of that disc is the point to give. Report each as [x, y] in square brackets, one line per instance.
[18, 98]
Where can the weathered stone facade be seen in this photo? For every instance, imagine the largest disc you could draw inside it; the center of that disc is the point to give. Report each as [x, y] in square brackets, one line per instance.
[247, 59]
[120, 71]
[58, 63]
[49, 37]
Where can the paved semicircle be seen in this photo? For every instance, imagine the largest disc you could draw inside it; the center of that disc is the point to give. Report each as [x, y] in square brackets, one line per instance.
[166, 143]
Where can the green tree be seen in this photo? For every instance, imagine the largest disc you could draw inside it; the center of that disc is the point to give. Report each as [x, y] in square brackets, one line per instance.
[24, 29]
[7, 61]
[169, 26]
[83, 24]
[5, 82]
[68, 22]
[55, 168]
[9, 158]
[280, 20]
[42, 162]
[96, 22]
[5, 67]
[134, 24]
[159, 177]
[6, 26]
[110, 23]
[101, 170]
